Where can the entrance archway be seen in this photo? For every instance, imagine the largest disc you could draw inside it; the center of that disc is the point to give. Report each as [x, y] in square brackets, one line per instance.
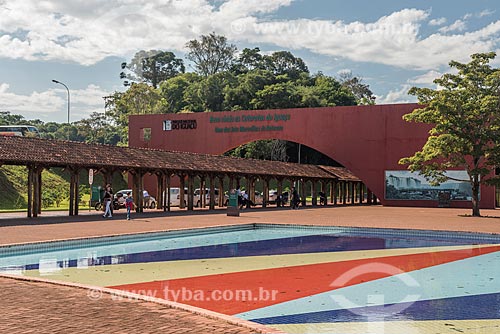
[367, 140]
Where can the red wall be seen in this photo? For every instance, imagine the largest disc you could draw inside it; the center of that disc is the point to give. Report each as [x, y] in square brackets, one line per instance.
[365, 139]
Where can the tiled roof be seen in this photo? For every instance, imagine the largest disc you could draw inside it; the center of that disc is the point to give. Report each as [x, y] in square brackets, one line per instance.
[342, 173]
[56, 153]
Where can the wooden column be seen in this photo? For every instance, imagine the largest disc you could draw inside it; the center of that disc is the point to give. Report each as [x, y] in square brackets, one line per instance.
[221, 191]
[39, 185]
[280, 190]
[202, 196]
[302, 193]
[314, 193]
[335, 192]
[30, 189]
[251, 188]
[211, 204]
[353, 196]
[71, 192]
[76, 190]
[232, 183]
[137, 189]
[265, 192]
[37, 194]
[167, 199]
[360, 193]
[160, 190]
[344, 192]
[182, 185]
[190, 182]
[368, 196]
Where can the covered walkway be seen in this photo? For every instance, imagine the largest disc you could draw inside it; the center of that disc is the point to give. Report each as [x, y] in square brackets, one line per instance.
[210, 171]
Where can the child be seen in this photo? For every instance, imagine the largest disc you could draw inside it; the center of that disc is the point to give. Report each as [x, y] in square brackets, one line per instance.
[129, 204]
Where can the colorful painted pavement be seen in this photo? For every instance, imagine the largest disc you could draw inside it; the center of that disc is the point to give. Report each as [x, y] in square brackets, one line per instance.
[301, 280]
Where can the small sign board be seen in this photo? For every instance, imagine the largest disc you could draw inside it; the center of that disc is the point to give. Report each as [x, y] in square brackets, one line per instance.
[232, 205]
[96, 194]
[91, 176]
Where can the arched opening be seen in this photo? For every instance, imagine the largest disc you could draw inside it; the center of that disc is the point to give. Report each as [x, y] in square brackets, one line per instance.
[279, 191]
[282, 150]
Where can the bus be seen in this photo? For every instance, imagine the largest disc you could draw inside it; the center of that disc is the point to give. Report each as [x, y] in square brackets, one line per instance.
[19, 130]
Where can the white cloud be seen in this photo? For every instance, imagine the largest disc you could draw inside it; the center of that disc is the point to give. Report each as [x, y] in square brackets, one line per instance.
[397, 96]
[52, 104]
[426, 78]
[458, 25]
[483, 13]
[242, 8]
[437, 22]
[486, 12]
[87, 32]
[468, 16]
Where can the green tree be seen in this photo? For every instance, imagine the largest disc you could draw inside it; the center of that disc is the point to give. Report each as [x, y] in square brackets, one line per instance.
[465, 112]
[174, 91]
[208, 93]
[212, 54]
[277, 96]
[332, 92]
[151, 67]
[285, 63]
[97, 129]
[248, 60]
[240, 95]
[262, 149]
[138, 99]
[356, 86]
[6, 118]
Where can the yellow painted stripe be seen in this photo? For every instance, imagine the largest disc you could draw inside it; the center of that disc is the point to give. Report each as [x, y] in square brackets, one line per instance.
[396, 327]
[118, 274]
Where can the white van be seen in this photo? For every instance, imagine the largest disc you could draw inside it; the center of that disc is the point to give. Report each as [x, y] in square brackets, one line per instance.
[175, 197]
[197, 197]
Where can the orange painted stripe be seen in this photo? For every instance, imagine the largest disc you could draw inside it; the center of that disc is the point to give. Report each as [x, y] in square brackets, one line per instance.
[222, 293]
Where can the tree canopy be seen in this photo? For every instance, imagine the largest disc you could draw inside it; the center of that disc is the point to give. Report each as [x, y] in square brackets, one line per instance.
[211, 54]
[151, 67]
[465, 112]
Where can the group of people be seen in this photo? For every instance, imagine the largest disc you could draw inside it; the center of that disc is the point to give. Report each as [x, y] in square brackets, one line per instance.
[108, 200]
[243, 200]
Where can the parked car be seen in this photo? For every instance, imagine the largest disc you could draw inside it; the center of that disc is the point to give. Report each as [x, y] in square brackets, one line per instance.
[149, 201]
[197, 196]
[175, 196]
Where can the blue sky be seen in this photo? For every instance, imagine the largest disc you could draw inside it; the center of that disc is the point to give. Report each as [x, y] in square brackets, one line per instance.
[391, 44]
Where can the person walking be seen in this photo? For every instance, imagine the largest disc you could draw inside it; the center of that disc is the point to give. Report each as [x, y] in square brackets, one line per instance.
[108, 199]
[129, 204]
[295, 199]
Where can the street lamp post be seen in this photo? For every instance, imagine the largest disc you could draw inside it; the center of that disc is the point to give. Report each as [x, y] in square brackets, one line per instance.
[67, 89]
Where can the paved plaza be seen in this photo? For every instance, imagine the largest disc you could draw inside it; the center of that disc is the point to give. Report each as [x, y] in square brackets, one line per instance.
[38, 306]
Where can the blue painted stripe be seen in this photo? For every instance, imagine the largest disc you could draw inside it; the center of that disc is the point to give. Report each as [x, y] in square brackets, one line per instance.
[293, 245]
[458, 308]
[155, 244]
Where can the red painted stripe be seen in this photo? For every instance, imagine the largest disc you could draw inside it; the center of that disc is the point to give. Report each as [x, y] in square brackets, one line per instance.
[223, 292]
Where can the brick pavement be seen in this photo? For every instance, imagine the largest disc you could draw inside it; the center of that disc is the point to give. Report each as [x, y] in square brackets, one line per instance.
[31, 306]
[37, 307]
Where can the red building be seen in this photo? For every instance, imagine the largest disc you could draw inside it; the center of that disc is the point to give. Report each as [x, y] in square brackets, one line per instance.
[368, 140]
